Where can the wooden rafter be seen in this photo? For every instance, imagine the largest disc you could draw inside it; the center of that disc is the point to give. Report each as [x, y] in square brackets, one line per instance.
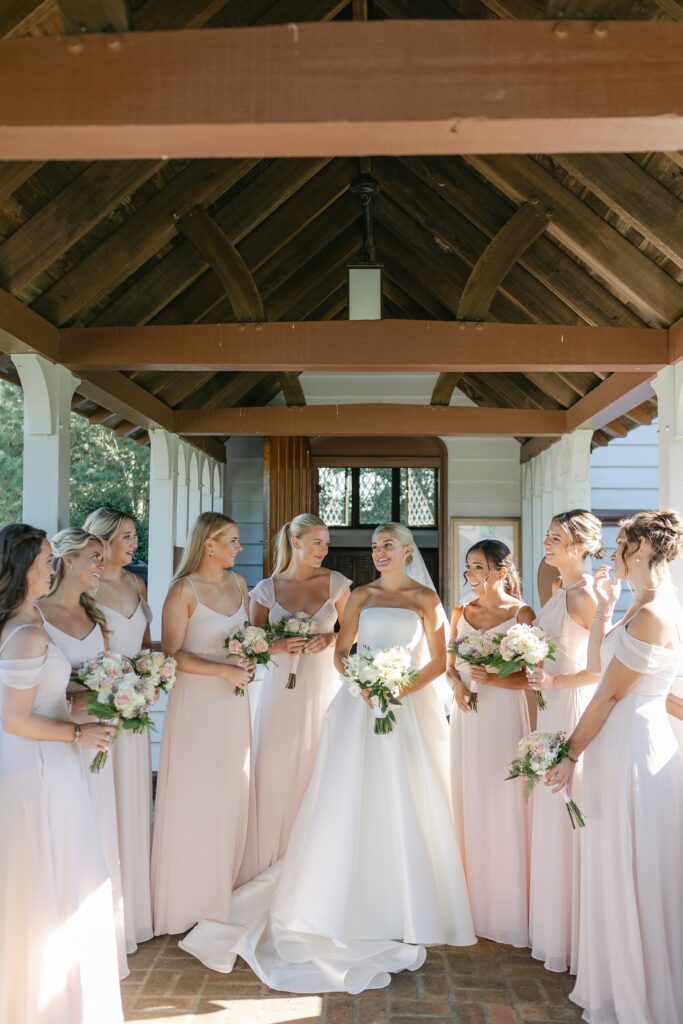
[523, 228]
[370, 420]
[108, 99]
[94, 16]
[365, 346]
[656, 296]
[614, 397]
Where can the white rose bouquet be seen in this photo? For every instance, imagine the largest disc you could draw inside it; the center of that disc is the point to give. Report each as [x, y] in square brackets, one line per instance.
[477, 648]
[248, 643]
[536, 754]
[382, 676]
[301, 626]
[156, 670]
[115, 694]
[523, 647]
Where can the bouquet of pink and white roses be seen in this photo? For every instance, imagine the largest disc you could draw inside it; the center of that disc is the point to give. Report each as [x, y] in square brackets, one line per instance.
[301, 626]
[157, 669]
[522, 647]
[536, 754]
[250, 644]
[476, 648]
[116, 694]
[382, 676]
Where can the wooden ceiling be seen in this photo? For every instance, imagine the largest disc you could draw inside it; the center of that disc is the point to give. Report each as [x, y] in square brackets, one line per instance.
[122, 243]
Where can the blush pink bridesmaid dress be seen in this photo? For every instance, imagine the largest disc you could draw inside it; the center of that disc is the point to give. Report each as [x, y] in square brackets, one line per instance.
[58, 961]
[553, 901]
[287, 727]
[630, 943]
[132, 765]
[100, 784]
[491, 815]
[204, 786]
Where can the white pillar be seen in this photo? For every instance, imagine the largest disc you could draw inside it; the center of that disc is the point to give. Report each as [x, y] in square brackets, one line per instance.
[182, 498]
[48, 390]
[194, 498]
[218, 489]
[205, 500]
[574, 468]
[163, 485]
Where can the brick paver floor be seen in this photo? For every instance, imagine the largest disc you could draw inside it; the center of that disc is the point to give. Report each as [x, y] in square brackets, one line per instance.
[482, 984]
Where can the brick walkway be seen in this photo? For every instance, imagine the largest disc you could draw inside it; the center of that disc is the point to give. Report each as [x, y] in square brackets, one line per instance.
[483, 984]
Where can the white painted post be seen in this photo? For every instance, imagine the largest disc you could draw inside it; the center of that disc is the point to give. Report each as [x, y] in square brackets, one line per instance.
[205, 499]
[194, 502]
[669, 387]
[182, 496]
[575, 469]
[527, 567]
[163, 487]
[48, 390]
[218, 495]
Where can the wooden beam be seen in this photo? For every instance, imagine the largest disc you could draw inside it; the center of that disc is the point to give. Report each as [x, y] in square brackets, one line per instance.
[672, 9]
[656, 296]
[636, 196]
[138, 238]
[22, 330]
[370, 420]
[67, 218]
[614, 397]
[675, 342]
[123, 396]
[13, 176]
[101, 98]
[226, 262]
[502, 252]
[370, 345]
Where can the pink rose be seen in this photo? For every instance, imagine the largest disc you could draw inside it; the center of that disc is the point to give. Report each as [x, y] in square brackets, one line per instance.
[122, 699]
[260, 647]
[235, 647]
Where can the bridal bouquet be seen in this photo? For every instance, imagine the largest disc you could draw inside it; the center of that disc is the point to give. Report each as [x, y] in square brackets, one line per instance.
[248, 643]
[155, 669]
[300, 625]
[536, 754]
[523, 647]
[117, 694]
[477, 648]
[382, 675]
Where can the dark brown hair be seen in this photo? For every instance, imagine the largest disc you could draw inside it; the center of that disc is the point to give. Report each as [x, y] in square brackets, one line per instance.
[20, 545]
[662, 528]
[499, 556]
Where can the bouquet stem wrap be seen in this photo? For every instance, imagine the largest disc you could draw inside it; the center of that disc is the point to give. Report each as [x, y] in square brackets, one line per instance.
[291, 679]
[299, 627]
[536, 754]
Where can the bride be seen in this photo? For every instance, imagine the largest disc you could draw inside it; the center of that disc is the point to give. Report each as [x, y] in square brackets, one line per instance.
[373, 871]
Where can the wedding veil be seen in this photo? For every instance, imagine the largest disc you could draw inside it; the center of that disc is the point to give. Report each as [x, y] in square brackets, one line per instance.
[417, 570]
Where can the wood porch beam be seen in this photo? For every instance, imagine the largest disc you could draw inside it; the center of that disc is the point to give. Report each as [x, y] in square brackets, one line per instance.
[526, 225]
[372, 345]
[676, 342]
[614, 397]
[22, 330]
[370, 420]
[612, 90]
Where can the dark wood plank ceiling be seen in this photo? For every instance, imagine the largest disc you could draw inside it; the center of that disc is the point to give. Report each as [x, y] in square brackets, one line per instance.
[102, 243]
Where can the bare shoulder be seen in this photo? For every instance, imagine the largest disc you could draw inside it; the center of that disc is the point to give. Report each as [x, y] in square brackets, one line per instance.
[142, 587]
[581, 603]
[360, 596]
[456, 615]
[30, 642]
[654, 624]
[526, 614]
[181, 594]
[427, 598]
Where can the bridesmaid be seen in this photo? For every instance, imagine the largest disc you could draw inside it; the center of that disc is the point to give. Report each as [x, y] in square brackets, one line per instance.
[76, 625]
[288, 723]
[57, 949]
[123, 599]
[567, 686]
[490, 814]
[630, 947]
[204, 783]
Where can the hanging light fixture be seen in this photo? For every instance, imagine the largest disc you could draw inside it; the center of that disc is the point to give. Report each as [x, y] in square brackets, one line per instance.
[365, 273]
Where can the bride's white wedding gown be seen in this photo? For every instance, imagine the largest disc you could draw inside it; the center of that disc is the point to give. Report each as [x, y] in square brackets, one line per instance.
[373, 871]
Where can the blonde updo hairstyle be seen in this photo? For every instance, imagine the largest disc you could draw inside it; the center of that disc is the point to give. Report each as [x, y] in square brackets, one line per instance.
[399, 532]
[206, 526]
[299, 526]
[663, 529]
[72, 541]
[106, 522]
[584, 531]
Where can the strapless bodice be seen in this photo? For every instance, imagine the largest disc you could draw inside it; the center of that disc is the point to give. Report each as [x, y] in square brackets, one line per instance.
[379, 628]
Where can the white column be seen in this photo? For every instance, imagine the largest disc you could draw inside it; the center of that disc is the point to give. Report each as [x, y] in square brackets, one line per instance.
[574, 468]
[669, 387]
[218, 488]
[163, 486]
[205, 499]
[182, 496]
[527, 567]
[194, 499]
[48, 390]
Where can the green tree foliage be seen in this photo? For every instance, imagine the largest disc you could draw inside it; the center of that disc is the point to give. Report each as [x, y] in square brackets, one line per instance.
[105, 469]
